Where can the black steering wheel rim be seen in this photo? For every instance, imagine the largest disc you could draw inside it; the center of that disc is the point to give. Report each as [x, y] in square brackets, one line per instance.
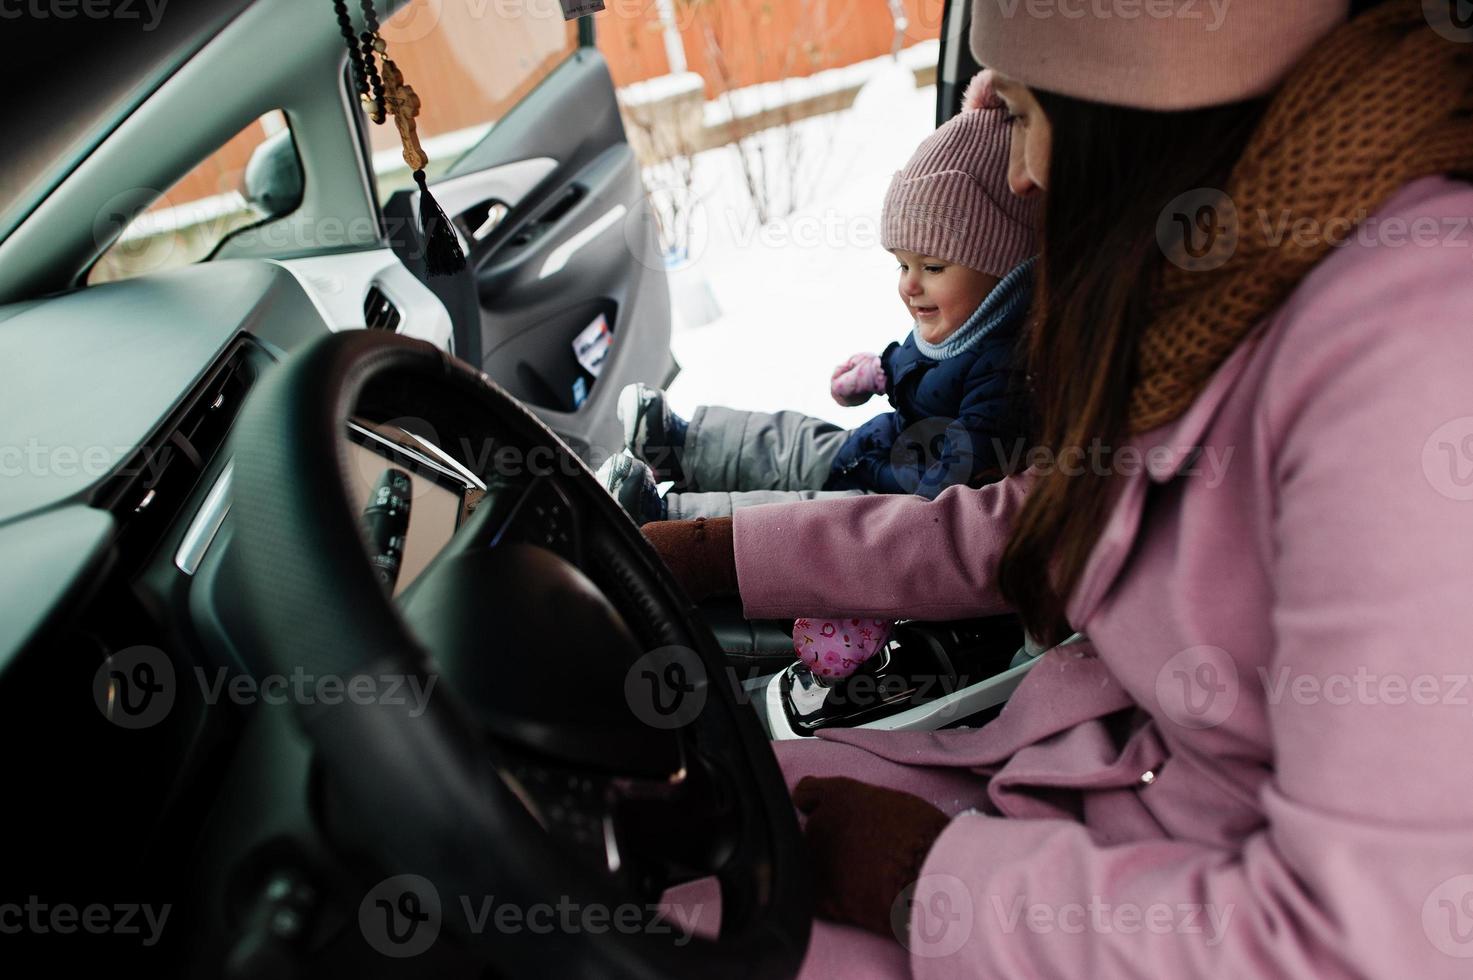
[426, 798]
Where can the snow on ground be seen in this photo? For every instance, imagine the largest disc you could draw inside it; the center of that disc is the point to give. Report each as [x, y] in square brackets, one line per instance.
[801, 294]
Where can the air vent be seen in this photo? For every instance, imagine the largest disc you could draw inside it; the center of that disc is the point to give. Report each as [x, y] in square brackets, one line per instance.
[151, 487]
[379, 313]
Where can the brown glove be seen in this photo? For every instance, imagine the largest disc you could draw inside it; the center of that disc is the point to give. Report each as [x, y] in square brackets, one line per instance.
[866, 845]
[701, 554]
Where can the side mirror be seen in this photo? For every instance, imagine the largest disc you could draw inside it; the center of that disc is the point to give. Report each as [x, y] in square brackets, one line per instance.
[273, 176]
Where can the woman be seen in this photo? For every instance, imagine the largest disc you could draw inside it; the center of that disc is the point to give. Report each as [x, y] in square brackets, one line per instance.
[1257, 416]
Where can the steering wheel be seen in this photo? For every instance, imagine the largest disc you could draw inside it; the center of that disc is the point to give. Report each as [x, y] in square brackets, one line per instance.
[582, 743]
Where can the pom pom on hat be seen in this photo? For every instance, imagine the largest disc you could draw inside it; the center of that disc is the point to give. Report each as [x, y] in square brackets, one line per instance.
[980, 94]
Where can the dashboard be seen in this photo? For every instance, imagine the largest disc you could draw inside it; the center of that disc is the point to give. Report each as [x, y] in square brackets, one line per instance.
[115, 474]
[410, 494]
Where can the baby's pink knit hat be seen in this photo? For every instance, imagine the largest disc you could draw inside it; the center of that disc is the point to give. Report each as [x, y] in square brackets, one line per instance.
[1150, 54]
[952, 200]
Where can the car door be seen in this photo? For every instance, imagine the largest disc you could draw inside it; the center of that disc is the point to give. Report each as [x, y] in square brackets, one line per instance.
[955, 66]
[551, 206]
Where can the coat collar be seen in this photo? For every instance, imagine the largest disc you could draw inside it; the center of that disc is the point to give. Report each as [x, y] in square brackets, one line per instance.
[1167, 450]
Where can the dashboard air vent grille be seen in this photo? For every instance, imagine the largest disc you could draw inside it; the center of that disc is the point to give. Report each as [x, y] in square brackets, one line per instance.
[379, 312]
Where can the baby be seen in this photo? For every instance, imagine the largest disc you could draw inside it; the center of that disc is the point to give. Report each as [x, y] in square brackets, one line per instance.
[965, 248]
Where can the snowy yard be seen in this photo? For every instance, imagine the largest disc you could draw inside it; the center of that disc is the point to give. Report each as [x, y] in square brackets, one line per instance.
[802, 293]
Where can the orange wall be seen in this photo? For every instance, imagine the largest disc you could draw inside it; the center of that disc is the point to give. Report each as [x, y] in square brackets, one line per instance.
[759, 40]
[471, 67]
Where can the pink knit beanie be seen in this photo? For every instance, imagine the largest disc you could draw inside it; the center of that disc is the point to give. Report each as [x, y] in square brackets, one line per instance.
[1150, 54]
[952, 200]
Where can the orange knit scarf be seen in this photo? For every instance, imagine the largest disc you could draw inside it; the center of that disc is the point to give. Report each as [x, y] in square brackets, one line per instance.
[1382, 101]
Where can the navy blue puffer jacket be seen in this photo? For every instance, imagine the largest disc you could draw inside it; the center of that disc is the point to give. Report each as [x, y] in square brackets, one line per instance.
[955, 421]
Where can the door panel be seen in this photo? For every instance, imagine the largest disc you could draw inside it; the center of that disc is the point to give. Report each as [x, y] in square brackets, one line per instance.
[552, 206]
[956, 65]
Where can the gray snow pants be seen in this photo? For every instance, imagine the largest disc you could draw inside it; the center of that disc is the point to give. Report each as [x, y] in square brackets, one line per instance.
[741, 459]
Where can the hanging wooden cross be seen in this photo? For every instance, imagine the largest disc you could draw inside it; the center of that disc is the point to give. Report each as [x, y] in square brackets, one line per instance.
[384, 93]
[403, 103]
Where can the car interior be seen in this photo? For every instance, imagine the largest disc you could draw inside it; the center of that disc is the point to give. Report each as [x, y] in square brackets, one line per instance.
[300, 458]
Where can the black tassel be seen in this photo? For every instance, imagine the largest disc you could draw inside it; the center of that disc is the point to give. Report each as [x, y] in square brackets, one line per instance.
[443, 256]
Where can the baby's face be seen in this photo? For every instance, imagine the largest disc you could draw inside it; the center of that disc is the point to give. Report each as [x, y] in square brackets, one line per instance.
[939, 295]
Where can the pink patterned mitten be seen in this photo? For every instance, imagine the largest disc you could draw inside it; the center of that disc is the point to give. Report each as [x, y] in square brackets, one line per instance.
[835, 648]
[854, 381]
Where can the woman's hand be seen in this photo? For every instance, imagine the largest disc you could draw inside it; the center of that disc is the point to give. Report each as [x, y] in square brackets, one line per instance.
[866, 845]
[700, 554]
[855, 380]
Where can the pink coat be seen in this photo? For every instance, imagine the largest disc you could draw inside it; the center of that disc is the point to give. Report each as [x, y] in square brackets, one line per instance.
[1265, 768]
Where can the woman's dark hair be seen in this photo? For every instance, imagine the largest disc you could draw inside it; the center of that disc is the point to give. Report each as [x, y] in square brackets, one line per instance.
[1111, 172]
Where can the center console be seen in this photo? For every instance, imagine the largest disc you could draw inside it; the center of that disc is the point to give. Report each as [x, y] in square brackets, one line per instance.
[929, 675]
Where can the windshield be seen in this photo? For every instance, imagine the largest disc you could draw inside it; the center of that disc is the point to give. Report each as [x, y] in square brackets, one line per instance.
[96, 62]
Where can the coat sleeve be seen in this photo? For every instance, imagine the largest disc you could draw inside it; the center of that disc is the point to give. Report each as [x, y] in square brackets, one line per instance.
[1364, 866]
[882, 556]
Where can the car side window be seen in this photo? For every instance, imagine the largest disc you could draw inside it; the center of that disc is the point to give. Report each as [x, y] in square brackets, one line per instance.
[470, 63]
[254, 176]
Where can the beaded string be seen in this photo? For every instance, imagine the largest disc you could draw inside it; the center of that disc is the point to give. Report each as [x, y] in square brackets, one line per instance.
[383, 91]
[372, 42]
[355, 58]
